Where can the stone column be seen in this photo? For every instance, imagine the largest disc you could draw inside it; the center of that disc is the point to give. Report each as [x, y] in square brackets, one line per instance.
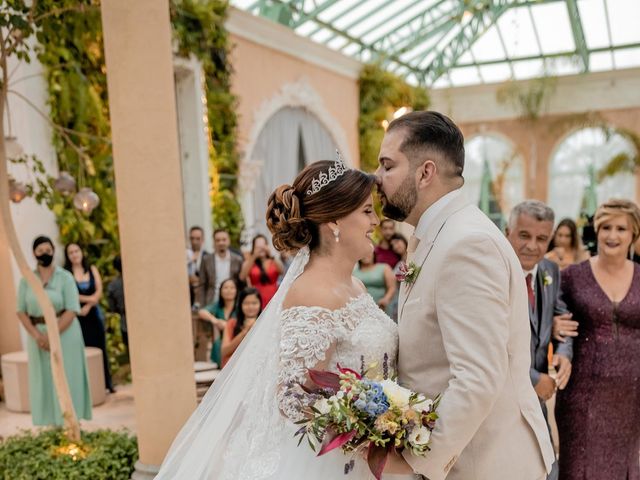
[137, 42]
[9, 329]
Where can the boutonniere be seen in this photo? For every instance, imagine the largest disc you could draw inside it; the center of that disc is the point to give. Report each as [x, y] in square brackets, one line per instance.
[546, 279]
[408, 273]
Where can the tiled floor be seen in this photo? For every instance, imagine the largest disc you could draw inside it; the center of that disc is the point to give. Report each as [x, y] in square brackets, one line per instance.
[117, 412]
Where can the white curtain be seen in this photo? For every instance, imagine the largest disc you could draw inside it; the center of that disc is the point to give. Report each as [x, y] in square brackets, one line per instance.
[279, 147]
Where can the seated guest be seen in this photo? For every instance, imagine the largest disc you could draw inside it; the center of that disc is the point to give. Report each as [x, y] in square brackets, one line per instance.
[529, 232]
[598, 414]
[261, 270]
[384, 251]
[219, 313]
[89, 284]
[378, 279]
[566, 247]
[249, 309]
[63, 294]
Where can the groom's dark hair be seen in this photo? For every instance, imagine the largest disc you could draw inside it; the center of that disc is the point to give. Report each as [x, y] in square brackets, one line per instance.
[428, 131]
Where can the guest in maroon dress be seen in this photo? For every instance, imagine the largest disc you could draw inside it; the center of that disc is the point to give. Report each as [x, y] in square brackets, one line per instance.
[261, 270]
[598, 414]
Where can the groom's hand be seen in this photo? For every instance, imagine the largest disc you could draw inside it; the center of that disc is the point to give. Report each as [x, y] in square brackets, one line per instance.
[563, 366]
[546, 387]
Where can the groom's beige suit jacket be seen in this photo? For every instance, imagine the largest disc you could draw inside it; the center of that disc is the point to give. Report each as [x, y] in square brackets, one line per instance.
[464, 333]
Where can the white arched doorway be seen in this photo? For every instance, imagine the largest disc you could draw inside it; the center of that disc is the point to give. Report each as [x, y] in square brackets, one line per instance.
[291, 139]
[494, 176]
[576, 184]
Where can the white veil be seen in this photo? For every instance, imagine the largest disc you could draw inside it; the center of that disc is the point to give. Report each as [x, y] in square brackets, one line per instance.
[237, 431]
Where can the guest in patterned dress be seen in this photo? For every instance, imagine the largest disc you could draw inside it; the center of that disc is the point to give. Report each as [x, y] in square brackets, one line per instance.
[598, 414]
[62, 292]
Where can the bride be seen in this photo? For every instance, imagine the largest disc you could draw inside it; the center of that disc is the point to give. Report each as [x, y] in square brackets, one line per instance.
[321, 315]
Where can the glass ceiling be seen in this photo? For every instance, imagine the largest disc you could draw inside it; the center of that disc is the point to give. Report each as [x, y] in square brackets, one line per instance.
[443, 43]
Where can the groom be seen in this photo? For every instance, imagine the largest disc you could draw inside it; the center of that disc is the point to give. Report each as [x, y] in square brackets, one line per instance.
[463, 321]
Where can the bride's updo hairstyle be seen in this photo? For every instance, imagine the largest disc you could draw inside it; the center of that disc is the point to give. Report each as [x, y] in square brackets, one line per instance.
[294, 216]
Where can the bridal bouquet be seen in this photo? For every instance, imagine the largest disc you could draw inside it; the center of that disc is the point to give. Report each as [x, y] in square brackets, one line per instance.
[355, 413]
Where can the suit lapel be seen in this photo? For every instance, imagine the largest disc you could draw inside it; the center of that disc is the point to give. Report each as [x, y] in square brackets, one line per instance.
[426, 244]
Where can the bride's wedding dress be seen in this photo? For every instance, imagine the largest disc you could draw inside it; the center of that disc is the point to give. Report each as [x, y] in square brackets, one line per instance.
[244, 428]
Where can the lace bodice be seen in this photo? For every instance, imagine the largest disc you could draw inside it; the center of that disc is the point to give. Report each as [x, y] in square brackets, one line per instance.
[359, 336]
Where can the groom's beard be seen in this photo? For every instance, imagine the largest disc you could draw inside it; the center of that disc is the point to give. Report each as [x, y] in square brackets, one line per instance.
[399, 206]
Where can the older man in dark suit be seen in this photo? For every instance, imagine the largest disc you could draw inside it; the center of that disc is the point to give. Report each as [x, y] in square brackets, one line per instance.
[529, 231]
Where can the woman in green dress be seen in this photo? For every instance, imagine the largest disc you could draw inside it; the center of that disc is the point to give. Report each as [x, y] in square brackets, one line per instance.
[218, 313]
[378, 279]
[61, 289]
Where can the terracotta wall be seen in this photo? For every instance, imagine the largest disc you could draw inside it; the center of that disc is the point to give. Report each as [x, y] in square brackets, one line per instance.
[272, 58]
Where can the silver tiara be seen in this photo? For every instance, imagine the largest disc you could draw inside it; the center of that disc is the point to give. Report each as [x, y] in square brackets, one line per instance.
[336, 170]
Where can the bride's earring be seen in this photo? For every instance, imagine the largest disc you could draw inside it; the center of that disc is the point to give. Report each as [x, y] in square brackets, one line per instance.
[336, 234]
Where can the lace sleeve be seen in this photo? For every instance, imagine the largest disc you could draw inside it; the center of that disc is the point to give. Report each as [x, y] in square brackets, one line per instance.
[307, 334]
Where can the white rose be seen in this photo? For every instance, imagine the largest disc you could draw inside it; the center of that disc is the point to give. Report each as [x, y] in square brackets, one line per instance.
[397, 395]
[419, 436]
[323, 406]
[423, 404]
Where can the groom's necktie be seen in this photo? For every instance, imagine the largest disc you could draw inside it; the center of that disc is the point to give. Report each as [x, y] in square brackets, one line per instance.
[532, 296]
[411, 247]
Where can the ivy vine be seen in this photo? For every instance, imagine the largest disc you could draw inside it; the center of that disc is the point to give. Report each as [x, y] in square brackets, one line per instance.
[381, 94]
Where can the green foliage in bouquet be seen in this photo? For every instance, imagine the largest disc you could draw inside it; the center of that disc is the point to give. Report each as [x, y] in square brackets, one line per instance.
[48, 454]
[381, 94]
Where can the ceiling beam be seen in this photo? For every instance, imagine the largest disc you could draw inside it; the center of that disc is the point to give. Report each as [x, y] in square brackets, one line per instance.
[578, 33]
[479, 23]
[567, 54]
[305, 17]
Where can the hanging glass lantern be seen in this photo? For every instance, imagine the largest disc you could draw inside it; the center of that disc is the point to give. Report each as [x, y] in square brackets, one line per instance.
[12, 147]
[65, 184]
[17, 191]
[86, 200]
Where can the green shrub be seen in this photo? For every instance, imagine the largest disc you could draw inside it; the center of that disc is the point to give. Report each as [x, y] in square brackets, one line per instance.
[109, 455]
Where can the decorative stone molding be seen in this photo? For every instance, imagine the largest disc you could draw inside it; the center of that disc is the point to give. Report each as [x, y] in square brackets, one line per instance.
[297, 94]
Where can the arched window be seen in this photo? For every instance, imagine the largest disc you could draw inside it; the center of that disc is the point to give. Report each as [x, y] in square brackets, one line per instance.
[576, 183]
[292, 138]
[493, 173]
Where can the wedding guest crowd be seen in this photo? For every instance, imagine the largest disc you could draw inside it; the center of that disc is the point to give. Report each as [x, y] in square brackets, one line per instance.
[216, 267]
[566, 246]
[91, 317]
[60, 287]
[194, 258]
[218, 313]
[250, 304]
[384, 251]
[598, 414]
[115, 299]
[529, 231]
[378, 279]
[261, 269]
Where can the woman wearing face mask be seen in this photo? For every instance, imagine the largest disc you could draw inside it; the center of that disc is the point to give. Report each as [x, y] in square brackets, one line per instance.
[598, 413]
[63, 294]
[261, 269]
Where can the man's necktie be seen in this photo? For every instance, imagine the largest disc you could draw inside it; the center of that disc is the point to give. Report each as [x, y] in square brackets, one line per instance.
[532, 295]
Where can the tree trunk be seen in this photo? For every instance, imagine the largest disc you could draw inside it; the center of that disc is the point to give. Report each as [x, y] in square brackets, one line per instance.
[71, 424]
